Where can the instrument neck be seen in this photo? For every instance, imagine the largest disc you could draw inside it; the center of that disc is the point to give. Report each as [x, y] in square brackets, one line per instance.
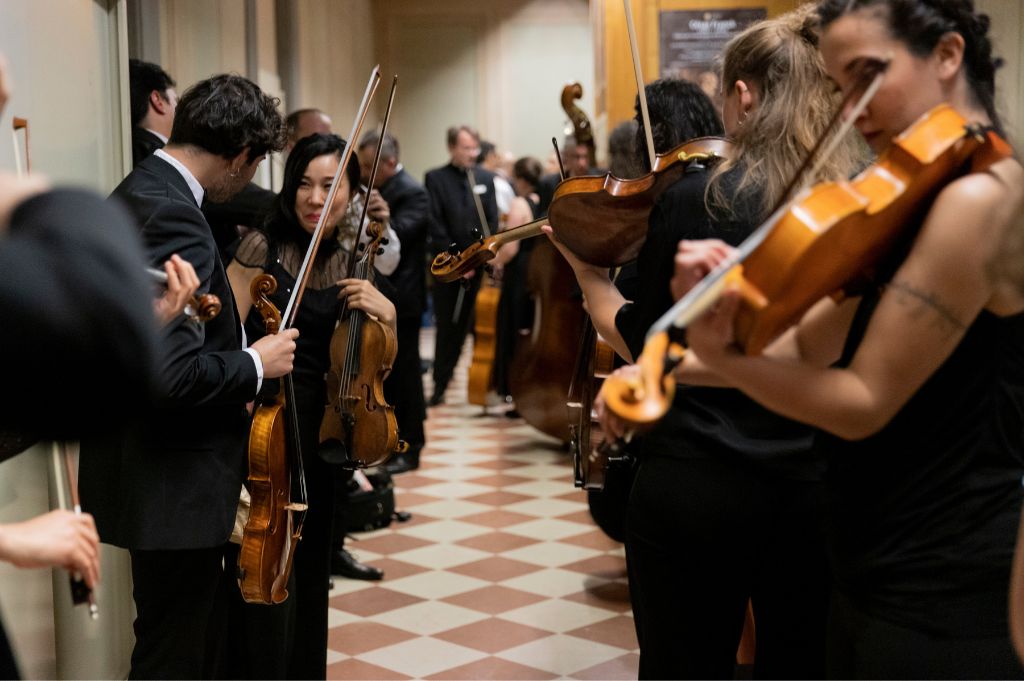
[530, 229]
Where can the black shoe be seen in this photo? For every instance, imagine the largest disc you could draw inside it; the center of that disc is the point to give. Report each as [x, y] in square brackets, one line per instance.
[402, 463]
[345, 564]
[435, 400]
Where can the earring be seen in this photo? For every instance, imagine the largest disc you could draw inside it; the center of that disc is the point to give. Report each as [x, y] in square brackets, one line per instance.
[744, 119]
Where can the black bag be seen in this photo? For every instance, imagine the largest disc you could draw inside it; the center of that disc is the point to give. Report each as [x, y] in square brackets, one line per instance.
[366, 510]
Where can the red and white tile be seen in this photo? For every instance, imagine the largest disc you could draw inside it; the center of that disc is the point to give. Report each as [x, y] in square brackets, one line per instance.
[501, 573]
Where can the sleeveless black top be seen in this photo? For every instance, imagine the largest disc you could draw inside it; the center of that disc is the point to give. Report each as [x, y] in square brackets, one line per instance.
[708, 422]
[923, 515]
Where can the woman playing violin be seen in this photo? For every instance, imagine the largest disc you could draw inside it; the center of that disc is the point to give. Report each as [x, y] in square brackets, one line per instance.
[278, 249]
[917, 387]
[723, 507]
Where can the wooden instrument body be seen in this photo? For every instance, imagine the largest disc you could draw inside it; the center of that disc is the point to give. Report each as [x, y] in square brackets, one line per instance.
[481, 368]
[543, 361]
[270, 536]
[361, 418]
[603, 220]
[268, 546]
[834, 233]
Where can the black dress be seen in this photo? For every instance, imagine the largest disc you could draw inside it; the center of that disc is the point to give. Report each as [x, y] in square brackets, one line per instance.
[300, 623]
[923, 517]
[727, 497]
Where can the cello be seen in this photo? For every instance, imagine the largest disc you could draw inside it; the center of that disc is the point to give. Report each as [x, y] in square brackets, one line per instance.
[274, 526]
[359, 427]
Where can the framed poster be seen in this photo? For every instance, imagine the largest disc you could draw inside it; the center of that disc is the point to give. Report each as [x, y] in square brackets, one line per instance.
[692, 40]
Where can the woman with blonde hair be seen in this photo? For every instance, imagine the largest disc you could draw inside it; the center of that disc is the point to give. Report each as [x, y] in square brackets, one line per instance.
[917, 388]
[725, 505]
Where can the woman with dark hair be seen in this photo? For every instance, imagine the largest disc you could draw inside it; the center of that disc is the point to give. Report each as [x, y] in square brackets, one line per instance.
[278, 248]
[917, 386]
[724, 506]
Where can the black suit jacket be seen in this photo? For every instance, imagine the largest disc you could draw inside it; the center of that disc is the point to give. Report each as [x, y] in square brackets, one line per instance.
[144, 143]
[173, 481]
[79, 340]
[452, 209]
[410, 217]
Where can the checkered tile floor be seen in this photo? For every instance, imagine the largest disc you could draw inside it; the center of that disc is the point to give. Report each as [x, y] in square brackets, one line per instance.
[500, 574]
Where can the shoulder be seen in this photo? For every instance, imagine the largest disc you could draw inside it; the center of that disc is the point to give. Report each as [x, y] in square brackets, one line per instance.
[976, 207]
[253, 249]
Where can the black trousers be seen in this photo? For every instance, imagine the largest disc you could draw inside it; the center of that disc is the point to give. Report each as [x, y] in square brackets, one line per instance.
[862, 646]
[8, 662]
[180, 605]
[451, 329]
[703, 537]
[289, 640]
[403, 388]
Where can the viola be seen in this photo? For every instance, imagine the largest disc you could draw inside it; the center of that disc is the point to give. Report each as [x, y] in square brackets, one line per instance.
[603, 219]
[359, 427]
[824, 242]
[274, 527]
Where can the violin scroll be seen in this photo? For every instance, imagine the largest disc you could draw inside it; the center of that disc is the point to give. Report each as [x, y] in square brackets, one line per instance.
[260, 289]
[645, 397]
[203, 308]
[450, 265]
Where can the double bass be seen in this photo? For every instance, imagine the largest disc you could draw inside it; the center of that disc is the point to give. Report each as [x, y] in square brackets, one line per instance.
[485, 326]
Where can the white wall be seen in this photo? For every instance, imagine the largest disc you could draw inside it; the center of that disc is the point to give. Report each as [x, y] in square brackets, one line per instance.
[1007, 22]
[499, 66]
[65, 62]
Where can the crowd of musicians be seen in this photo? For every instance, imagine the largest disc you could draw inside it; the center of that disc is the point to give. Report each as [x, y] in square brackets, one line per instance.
[856, 485]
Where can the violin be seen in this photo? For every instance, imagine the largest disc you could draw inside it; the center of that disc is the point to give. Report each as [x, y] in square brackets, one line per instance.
[200, 308]
[274, 527]
[824, 242]
[359, 427]
[603, 219]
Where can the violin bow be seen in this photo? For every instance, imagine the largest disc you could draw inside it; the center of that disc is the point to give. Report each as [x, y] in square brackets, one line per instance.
[641, 90]
[373, 174]
[288, 318]
[369, 188]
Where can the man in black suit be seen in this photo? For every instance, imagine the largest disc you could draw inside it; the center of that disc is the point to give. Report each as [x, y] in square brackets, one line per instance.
[575, 161]
[168, 488]
[152, 100]
[407, 207]
[455, 222]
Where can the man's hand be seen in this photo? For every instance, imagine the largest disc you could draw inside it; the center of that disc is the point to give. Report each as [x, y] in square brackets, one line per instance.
[182, 284]
[277, 351]
[377, 208]
[55, 539]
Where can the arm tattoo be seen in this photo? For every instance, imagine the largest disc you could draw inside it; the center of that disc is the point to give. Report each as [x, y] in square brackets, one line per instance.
[907, 295]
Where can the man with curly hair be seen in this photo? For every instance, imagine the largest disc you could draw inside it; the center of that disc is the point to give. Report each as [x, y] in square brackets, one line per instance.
[167, 489]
